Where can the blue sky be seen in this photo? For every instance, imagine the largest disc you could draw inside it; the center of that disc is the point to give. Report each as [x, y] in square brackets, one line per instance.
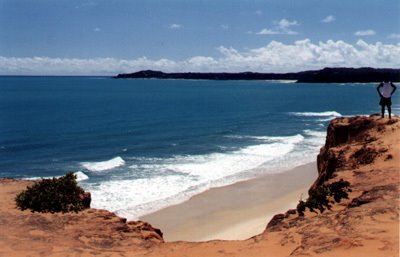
[65, 36]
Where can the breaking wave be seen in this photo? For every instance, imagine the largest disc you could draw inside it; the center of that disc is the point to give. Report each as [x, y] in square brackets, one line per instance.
[317, 114]
[103, 165]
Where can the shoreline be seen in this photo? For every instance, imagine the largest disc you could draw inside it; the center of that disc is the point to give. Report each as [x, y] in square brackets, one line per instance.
[365, 154]
[234, 212]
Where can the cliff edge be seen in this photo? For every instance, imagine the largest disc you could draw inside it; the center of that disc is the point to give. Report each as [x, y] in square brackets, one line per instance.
[89, 232]
[364, 151]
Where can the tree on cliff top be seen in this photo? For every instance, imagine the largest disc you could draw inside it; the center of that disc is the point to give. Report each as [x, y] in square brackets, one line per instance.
[54, 195]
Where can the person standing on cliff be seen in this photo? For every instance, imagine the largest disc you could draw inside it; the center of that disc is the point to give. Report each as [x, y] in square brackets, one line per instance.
[386, 90]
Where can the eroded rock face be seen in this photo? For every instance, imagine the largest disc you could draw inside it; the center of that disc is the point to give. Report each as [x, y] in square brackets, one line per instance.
[147, 230]
[345, 130]
[363, 151]
[341, 133]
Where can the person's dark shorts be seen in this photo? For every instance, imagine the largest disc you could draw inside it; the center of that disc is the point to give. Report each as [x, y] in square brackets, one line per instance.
[385, 101]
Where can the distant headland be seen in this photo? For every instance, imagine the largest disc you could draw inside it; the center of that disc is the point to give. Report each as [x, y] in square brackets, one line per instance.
[326, 75]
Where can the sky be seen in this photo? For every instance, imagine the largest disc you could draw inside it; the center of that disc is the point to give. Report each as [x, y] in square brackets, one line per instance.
[107, 37]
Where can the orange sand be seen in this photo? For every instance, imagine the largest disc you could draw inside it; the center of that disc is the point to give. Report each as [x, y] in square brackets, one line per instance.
[366, 224]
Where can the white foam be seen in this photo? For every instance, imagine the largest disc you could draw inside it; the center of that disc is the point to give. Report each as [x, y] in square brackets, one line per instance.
[295, 138]
[176, 179]
[315, 133]
[133, 198]
[290, 139]
[282, 81]
[39, 178]
[317, 114]
[80, 176]
[104, 165]
[219, 165]
[326, 119]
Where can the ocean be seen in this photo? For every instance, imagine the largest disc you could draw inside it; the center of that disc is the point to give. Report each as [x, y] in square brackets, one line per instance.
[141, 145]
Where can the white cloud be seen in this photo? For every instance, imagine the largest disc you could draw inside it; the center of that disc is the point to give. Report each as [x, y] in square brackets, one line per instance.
[281, 27]
[258, 12]
[96, 29]
[394, 35]
[328, 19]
[201, 61]
[175, 26]
[363, 33]
[224, 27]
[268, 32]
[284, 24]
[273, 57]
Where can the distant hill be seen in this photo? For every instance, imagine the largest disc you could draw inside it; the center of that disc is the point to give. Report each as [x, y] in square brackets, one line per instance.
[348, 75]
[326, 75]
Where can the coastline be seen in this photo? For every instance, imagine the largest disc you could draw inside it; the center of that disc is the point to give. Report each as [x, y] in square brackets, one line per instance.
[364, 151]
[325, 75]
[234, 212]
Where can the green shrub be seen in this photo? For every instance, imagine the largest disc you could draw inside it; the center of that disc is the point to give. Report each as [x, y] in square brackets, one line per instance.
[54, 195]
[324, 196]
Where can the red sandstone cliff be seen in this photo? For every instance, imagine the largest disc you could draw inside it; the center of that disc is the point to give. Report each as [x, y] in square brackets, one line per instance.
[342, 133]
[364, 151]
[92, 231]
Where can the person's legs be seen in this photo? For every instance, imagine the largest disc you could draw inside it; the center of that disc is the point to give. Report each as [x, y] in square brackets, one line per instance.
[383, 110]
[390, 111]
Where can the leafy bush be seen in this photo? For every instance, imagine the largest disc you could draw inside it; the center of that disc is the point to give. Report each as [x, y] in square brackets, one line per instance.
[321, 198]
[54, 195]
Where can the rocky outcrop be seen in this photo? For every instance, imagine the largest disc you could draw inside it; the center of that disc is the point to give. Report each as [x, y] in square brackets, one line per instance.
[341, 134]
[146, 230]
[363, 151]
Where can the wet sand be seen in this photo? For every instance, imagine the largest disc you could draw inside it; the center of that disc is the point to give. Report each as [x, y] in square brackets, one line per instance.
[237, 211]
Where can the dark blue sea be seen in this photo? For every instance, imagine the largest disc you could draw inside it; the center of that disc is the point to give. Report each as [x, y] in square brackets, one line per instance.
[140, 145]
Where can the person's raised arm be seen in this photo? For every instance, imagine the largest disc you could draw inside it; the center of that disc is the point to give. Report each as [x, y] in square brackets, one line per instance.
[377, 89]
[394, 87]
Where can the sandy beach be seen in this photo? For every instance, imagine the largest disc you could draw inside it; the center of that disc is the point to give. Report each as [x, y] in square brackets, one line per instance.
[363, 151]
[237, 211]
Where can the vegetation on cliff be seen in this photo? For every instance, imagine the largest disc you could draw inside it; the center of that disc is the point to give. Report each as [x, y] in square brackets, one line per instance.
[54, 195]
[365, 151]
[322, 197]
